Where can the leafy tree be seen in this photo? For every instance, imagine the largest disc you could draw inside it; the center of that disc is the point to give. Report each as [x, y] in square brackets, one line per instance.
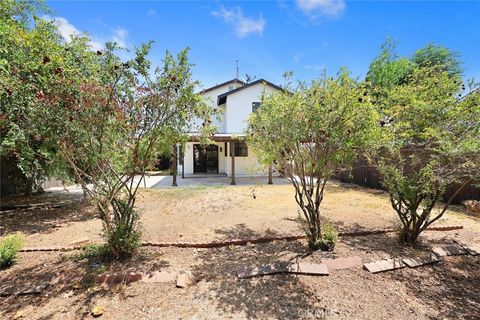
[430, 141]
[309, 134]
[441, 57]
[30, 60]
[388, 69]
[111, 122]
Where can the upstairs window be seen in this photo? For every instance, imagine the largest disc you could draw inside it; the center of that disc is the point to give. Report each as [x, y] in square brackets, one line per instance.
[241, 149]
[255, 106]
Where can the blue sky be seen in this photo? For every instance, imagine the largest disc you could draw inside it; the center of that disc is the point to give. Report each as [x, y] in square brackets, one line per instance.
[270, 37]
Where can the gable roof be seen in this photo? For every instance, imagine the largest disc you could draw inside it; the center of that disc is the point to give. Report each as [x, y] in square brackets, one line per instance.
[222, 98]
[235, 80]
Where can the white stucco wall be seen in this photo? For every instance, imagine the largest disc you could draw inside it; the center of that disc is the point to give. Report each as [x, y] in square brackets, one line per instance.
[210, 98]
[233, 121]
[239, 106]
[244, 166]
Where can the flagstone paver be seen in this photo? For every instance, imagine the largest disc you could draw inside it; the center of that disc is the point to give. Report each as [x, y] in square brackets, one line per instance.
[159, 277]
[450, 250]
[308, 268]
[384, 265]
[263, 269]
[282, 267]
[473, 250]
[19, 291]
[343, 263]
[417, 262]
[111, 278]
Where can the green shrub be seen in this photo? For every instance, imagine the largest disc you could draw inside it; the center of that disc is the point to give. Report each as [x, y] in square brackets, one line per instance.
[9, 246]
[96, 252]
[123, 240]
[328, 240]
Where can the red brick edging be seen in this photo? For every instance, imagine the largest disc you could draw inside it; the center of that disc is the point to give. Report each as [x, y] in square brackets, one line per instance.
[239, 242]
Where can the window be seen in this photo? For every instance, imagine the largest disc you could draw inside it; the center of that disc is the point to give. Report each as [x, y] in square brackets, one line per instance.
[255, 106]
[241, 149]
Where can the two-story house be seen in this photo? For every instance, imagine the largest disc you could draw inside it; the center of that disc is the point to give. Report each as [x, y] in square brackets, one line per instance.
[229, 153]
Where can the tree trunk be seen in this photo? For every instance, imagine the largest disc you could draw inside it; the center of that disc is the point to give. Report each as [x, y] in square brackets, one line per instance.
[270, 174]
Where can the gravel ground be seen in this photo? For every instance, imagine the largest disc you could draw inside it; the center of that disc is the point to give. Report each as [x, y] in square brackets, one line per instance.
[447, 290]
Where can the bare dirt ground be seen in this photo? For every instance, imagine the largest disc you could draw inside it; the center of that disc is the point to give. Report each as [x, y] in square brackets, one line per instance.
[448, 290]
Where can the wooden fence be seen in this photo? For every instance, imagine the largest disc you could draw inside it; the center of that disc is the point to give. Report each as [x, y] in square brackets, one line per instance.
[368, 176]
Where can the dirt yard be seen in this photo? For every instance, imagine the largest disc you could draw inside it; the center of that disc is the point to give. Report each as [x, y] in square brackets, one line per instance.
[447, 290]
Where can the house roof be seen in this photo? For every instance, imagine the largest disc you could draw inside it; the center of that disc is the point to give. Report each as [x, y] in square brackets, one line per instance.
[224, 95]
[235, 80]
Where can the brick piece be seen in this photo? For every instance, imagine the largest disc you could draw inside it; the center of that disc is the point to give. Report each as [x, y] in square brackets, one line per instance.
[417, 262]
[450, 250]
[343, 263]
[384, 265]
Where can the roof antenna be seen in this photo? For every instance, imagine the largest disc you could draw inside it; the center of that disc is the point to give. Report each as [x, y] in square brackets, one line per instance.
[237, 68]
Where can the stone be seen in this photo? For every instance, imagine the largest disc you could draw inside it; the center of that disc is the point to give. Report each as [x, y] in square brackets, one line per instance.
[97, 311]
[23, 291]
[384, 265]
[184, 279]
[473, 250]
[343, 263]
[472, 207]
[160, 277]
[450, 250]
[417, 262]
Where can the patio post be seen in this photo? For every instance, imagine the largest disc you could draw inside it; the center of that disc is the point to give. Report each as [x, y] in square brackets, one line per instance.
[232, 154]
[183, 161]
[174, 166]
[270, 170]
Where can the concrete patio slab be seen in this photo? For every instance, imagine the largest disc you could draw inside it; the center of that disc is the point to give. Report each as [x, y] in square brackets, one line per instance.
[161, 182]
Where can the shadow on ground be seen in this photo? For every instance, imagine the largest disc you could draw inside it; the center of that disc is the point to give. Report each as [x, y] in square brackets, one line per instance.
[279, 296]
[452, 287]
[69, 280]
[45, 218]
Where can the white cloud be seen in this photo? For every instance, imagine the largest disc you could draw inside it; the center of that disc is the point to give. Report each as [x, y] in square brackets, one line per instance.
[243, 25]
[68, 31]
[297, 57]
[317, 8]
[315, 67]
[119, 36]
[152, 13]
